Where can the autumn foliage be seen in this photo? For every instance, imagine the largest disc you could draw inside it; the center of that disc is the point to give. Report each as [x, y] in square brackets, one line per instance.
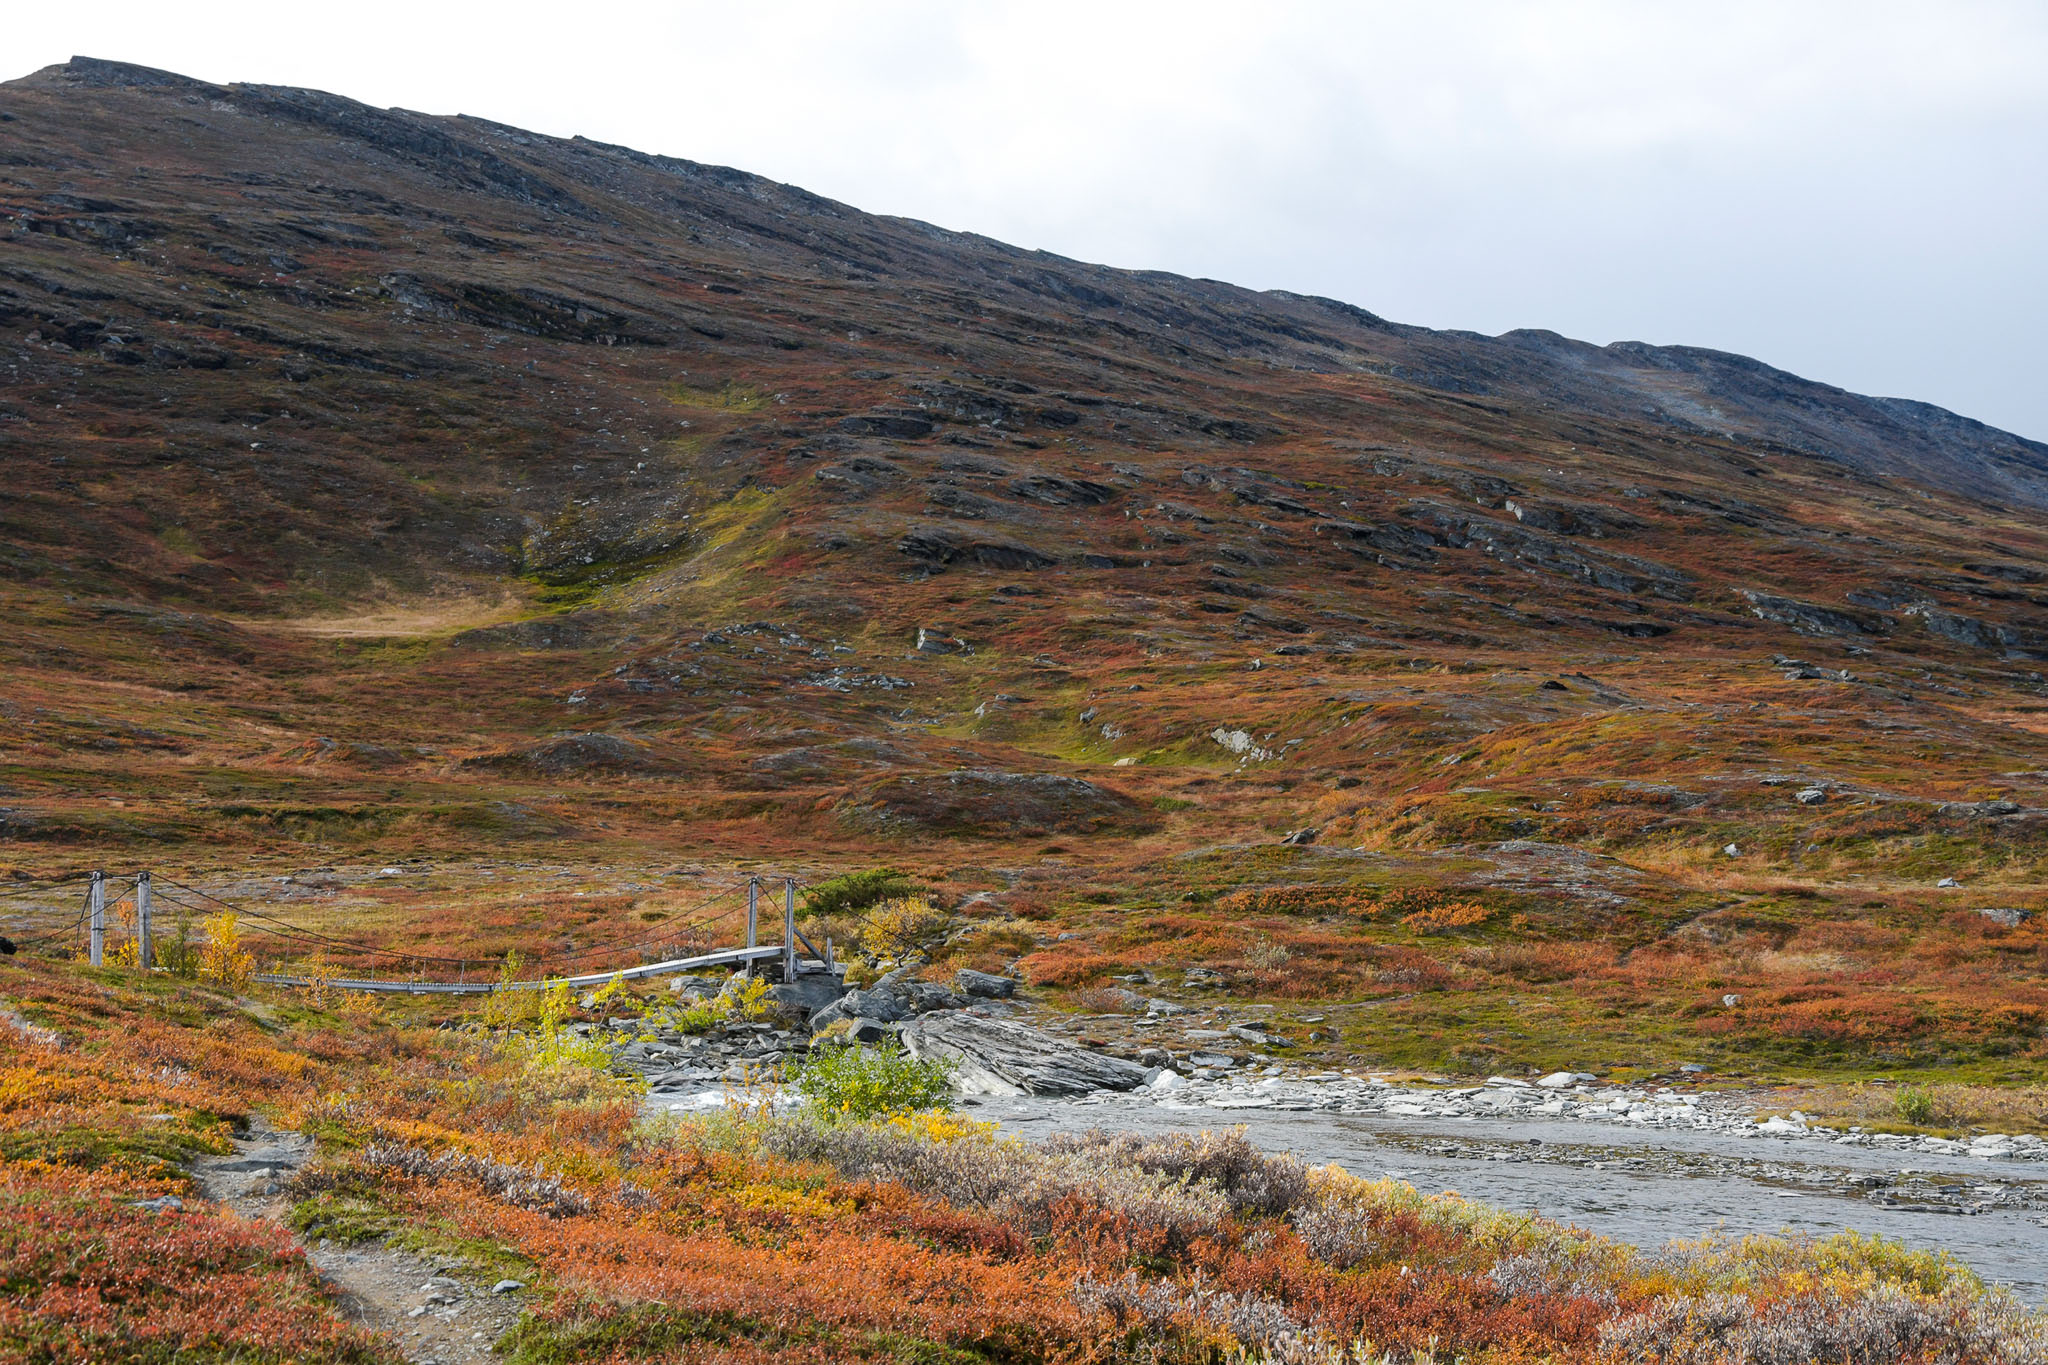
[807, 1236]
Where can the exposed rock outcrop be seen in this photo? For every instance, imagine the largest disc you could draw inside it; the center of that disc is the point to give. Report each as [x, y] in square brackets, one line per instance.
[996, 1057]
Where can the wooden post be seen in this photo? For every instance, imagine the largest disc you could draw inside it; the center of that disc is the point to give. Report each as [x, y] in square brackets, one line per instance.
[753, 916]
[789, 928]
[144, 957]
[96, 899]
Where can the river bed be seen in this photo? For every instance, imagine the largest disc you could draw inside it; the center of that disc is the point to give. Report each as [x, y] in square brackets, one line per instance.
[1646, 1188]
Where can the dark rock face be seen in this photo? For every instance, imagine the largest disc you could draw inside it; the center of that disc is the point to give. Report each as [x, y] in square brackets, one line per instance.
[1512, 543]
[981, 802]
[1058, 491]
[2013, 641]
[1809, 619]
[942, 546]
[899, 428]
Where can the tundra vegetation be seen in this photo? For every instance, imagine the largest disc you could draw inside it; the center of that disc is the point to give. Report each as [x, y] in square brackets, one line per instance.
[446, 543]
[866, 1224]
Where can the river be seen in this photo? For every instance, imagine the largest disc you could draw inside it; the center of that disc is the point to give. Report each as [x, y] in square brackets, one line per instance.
[1646, 1188]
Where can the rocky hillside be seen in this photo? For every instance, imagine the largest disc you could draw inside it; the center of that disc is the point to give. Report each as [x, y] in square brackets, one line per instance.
[382, 480]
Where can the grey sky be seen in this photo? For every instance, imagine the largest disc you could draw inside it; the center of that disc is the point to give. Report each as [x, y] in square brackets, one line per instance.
[1854, 192]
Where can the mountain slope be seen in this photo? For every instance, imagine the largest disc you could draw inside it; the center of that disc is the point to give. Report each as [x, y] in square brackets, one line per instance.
[327, 415]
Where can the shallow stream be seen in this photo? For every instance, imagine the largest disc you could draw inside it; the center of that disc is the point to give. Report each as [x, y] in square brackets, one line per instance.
[1644, 1187]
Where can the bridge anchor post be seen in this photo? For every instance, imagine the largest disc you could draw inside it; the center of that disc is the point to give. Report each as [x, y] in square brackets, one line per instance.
[753, 919]
[145, 955]
[789, 928]
[96, 900]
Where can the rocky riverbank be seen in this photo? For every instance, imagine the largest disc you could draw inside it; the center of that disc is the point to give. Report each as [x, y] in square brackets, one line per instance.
[1569, 1097]
[1641, 1162]
[1002, 1045]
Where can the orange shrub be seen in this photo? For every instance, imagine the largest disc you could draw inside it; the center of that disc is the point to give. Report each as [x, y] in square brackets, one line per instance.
[1067, 964]
[84, 1276]
[1443, 919]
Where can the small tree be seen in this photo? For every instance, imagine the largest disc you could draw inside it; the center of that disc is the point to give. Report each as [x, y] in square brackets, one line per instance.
[178, 954]
[552, 1044]
[508, 1006]
[1915, 1104]
[222, 958]
[860, 1083]
[128, 952]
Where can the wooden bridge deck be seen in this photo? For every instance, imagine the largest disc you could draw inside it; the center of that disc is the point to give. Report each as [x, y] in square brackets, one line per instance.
[728, 957]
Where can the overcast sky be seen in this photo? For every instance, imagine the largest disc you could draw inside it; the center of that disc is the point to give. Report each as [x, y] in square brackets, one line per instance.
[1854, 192]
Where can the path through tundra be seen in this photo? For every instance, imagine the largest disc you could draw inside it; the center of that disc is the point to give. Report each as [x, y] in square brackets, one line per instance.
[434, 1314]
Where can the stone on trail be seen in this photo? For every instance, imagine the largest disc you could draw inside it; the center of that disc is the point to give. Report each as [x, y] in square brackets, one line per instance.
[1557, 1080]
[996, 1057]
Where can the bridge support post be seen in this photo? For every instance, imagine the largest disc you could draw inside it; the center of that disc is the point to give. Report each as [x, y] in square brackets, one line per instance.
[789, 928]
[145, 957]
[753, 918]
[96, 902]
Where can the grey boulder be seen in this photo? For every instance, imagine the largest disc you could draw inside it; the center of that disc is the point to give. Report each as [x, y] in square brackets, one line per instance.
[926, 996]
[886, 1006]
[996, 1057]
[861, 1007]
[989, 987]
[809, 993]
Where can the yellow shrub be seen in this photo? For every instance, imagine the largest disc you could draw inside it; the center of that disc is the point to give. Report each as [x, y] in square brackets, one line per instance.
[902, 926]
[222, 959]
[932, 1125]
[746, 998]
[508, 1006]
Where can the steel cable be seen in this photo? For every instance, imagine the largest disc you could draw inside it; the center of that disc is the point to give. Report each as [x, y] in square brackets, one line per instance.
[286, 930]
